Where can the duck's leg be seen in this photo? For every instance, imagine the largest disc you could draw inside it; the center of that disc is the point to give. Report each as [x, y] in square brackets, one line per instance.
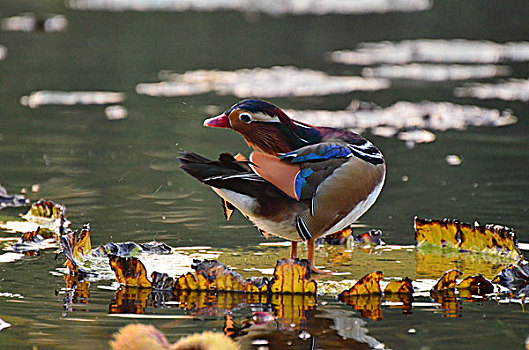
[294, 249]
[311, 259]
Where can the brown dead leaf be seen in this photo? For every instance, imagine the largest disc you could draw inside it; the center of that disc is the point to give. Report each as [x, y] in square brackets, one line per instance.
[292, 276]
[367, 285]
[339, 237]
[475, 285]
[403, 286]
[130, 272]
[447, 281]
[490, 239]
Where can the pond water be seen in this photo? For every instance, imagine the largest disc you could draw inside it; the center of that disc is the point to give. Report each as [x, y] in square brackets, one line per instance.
[119, 171]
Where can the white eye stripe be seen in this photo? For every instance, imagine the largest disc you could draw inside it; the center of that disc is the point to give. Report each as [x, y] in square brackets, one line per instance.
[261, 117]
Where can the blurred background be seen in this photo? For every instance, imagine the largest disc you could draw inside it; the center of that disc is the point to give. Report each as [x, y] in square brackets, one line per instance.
[97, 98]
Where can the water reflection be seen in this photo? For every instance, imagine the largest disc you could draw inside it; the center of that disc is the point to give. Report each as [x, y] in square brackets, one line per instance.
[410, 122]
[436, 72]
[428, 50]
[258, 82]
[69, 98]
[30, 22]
[511, 90]
[294, 7]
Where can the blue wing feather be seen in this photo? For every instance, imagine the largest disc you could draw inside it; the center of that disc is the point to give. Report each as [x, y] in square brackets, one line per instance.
[323, 152]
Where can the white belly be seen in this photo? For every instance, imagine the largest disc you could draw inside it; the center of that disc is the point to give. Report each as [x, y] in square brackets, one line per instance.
[358, 211]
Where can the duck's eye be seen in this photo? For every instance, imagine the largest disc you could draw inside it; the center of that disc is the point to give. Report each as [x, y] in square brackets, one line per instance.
[245, 118]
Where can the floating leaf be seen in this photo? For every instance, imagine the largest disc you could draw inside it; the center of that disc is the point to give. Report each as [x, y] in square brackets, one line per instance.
[7, 200]
[130, 272]
[491, 239]
[447, 281]
[132, 248]
[29, 242]
[403, 286]
[369, 284]
[372, 237]
[515, 278]
[75, 246]
[475, 285]
[44, 210]
[47, 214]
[161, 281]
[340, 237]
[186, 282]
[212, 275]
[256, 285]
[292, 276]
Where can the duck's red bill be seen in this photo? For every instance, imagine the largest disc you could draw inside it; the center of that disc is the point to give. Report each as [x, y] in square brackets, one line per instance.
[220, 121]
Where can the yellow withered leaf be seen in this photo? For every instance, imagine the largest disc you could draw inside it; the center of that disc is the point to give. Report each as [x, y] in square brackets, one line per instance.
[256, 285]
[186, 282]
[130, 272]
[30, 236]
[82, 244]
[476, 285]
[369, 284]
[75, 245]
[292, 276]
[403, 286]
[43, 210]
[339, 237]
[448, 280]
[490, 239]
[212, 275]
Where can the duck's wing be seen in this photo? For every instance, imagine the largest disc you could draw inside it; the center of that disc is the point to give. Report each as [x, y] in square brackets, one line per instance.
[336, 177]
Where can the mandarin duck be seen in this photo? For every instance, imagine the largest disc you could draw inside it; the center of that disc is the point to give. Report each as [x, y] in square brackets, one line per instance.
[302, 182]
